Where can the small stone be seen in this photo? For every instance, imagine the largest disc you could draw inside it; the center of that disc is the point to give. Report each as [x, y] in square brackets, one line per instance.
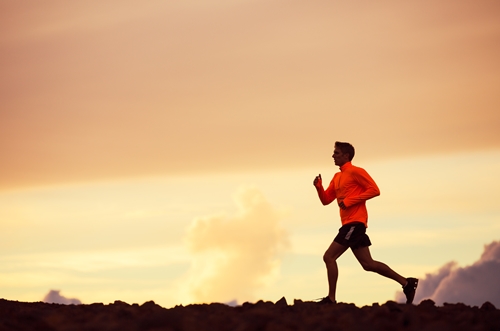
[427, 303]
[281, 302]
[488, 306]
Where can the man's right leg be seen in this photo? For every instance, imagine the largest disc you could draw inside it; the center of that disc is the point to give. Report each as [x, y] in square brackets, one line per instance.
[330, 257]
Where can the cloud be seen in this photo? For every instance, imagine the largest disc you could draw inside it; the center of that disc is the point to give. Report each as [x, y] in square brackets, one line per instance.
[472, 285]
[55, 297]
[235, 255]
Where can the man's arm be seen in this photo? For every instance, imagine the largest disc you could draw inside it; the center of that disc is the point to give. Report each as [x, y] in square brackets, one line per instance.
[371, 189]
[326, 197]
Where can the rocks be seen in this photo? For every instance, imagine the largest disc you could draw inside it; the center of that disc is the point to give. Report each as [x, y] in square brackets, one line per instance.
[282, 302]
[307, 316]
[488, 306]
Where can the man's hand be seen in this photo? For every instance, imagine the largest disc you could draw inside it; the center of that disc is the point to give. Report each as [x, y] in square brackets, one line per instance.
[342, 206]
[318, 182]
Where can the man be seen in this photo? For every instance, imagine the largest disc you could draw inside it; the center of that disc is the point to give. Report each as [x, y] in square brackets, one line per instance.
[352, 186]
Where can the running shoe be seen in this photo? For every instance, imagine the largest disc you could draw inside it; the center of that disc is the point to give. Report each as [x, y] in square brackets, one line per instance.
[410, 288]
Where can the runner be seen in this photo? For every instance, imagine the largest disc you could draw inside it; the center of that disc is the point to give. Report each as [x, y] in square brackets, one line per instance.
[352, 186]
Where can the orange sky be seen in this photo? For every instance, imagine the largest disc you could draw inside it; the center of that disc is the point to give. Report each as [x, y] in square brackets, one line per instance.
[215, 95]
[93, 90]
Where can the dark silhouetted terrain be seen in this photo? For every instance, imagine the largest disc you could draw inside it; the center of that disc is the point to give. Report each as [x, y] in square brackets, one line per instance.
[258, 316]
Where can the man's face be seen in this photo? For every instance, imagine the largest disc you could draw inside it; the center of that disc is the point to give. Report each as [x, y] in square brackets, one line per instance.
[339, 157]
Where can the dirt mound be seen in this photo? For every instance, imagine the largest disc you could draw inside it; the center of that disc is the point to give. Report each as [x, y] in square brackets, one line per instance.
[307, 316]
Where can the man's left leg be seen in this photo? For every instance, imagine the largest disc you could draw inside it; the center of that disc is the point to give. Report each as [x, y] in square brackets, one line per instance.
[365, 259]
[409, 284]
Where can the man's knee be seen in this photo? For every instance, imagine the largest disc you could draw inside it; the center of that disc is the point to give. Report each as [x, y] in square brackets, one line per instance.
[369, 265]
[328, 257]
[334, 252]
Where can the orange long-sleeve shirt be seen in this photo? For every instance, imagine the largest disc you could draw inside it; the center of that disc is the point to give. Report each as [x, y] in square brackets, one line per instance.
[353, 186]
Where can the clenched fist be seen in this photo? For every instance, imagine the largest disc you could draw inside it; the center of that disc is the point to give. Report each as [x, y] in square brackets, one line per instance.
[318, 182]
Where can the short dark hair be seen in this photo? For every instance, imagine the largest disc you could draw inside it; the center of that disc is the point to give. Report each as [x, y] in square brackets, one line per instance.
[346, 148]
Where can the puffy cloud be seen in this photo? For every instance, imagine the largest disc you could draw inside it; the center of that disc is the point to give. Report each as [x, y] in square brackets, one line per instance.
[55, 297]
[472, 285]
[235, 256]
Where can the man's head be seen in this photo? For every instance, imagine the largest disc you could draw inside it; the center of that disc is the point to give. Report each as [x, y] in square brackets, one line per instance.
[343, 153]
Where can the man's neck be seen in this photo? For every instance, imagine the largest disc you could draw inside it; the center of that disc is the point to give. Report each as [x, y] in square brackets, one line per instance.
[345, 165]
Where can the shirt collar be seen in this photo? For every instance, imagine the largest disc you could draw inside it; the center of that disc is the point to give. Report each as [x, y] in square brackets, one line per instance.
[345, 166]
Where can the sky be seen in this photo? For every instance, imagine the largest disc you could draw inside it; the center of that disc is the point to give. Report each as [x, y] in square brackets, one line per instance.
[166, 150]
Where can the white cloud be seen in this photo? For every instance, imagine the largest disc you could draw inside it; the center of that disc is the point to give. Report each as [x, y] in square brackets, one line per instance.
[54, 296]
[471, 285]
[235, 256]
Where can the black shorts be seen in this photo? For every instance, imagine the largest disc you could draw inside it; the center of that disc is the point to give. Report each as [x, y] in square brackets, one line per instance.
[353, 235]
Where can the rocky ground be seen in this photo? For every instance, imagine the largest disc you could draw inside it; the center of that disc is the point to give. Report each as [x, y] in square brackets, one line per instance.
[301, 315]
